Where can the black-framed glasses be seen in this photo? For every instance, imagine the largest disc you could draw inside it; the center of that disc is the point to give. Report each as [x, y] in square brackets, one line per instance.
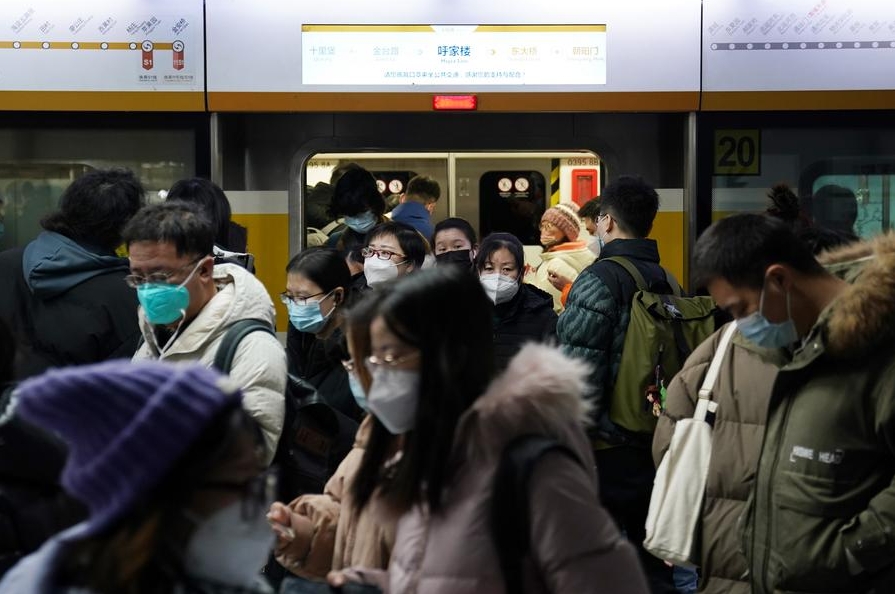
[390, 360]
[135, 280]
[285, 297]
[257, 493]
[369, 252]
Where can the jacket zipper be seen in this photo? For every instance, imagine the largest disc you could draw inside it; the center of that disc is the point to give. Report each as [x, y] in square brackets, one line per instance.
[770, 520]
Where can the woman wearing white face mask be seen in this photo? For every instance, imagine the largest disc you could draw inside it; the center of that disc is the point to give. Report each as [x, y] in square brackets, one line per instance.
[170, 468]
[393, 250]
[522, 312]
[317, 291]
[432, 385]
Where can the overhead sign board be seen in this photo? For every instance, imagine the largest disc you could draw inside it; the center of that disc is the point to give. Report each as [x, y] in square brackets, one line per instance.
[481, 55]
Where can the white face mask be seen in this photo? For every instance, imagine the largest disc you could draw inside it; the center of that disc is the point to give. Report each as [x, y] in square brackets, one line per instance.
[594, 246]
[229, 549]
[499, 287]
[393, 398]
[379, 271]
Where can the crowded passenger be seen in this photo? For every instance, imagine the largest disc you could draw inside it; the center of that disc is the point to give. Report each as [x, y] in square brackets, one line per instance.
[589, 213]
[187, 305]
[393, 250]
[592, 328]
[822, 513]
[357, 200]
[564, 256]
[417, 204]
[33, 506]
[317, 290]
[432, 385]
[327, 532]
[65, 299]
[168, 465]
[454, 242]
[836, 208]
[230, 239]
[522, 312]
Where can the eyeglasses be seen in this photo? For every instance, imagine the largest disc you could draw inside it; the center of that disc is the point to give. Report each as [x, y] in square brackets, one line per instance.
[390, 360]
[285, 297]
[257, 493]
[135, 280]
[369, 252]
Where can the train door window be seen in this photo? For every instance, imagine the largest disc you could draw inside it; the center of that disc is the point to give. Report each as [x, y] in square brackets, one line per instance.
[392, 184]
[512, 201]
[839, 166]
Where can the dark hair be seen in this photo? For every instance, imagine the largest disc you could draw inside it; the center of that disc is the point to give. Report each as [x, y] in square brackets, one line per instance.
[461, 225]
[211, 199]
[414, 245]
[325, 267]
[740, 248]
[783, 204]
[143, 552]
[339, 171]
[456, 365]
[496, 241]
[590, 209]
[182, 223]
[633, 204]
[425, 187]
[350, 245]
[835, 207]
[820, 240]
[95, 207]
[356, 192]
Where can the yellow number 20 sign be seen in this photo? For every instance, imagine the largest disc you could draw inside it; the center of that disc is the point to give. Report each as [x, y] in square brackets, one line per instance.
[737, 152]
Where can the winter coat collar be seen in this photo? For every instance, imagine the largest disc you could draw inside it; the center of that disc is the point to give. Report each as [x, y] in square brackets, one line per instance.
[639, 249]
[527, 298]
[541, 391]
[862, 318]
[53, 264]
[568, 246]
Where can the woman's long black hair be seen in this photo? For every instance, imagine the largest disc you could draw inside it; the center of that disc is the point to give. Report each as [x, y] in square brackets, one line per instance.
[447, 316]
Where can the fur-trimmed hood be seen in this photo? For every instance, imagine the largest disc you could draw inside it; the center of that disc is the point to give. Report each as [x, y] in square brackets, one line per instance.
[863, 317]
[541, 391]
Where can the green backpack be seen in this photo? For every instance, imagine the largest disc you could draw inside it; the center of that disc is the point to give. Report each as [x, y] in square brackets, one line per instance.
[662, 332]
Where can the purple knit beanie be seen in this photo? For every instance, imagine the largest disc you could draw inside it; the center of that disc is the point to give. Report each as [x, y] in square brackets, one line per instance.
[126, 425]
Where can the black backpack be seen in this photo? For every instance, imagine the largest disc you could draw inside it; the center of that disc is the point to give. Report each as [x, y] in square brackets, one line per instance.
[510, 507]
[316, 437]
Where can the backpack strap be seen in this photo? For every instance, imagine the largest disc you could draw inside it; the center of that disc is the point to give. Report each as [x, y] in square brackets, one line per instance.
[638, 278]
[223, 358]
[510, 507]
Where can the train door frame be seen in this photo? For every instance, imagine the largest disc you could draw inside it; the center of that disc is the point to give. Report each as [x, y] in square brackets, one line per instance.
[522, 145]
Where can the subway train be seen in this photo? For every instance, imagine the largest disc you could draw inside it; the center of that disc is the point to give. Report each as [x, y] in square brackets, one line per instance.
[703, 121]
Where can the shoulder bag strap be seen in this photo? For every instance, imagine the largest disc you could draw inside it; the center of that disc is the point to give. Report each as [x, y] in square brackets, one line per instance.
[223, 358]
[708, 383]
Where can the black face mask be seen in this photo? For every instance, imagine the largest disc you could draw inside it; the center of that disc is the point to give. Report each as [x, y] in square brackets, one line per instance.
[462, 258]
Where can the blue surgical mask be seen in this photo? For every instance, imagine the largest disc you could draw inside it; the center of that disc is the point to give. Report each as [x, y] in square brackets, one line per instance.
[163, 303]
[362, 222]
[357, 390]
[758, 330]
[308, 317]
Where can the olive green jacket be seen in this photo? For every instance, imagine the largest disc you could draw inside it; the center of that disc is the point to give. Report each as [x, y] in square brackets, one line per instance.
[822, 515]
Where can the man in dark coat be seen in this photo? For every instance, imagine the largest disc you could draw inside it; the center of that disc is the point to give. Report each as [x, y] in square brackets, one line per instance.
[64, 295]
[592, 327]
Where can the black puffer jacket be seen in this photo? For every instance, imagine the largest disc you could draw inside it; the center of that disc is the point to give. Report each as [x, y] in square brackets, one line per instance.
[527, 317]
[66, 304]
[319, 362]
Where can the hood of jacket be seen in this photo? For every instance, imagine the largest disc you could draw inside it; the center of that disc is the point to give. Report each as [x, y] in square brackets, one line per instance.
[862, 318]
[541, 391]
[53, 264]
[240, 296]
[641, 249]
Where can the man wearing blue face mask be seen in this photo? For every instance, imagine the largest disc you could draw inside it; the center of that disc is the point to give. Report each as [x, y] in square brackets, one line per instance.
[822, 515]
[187, 304]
